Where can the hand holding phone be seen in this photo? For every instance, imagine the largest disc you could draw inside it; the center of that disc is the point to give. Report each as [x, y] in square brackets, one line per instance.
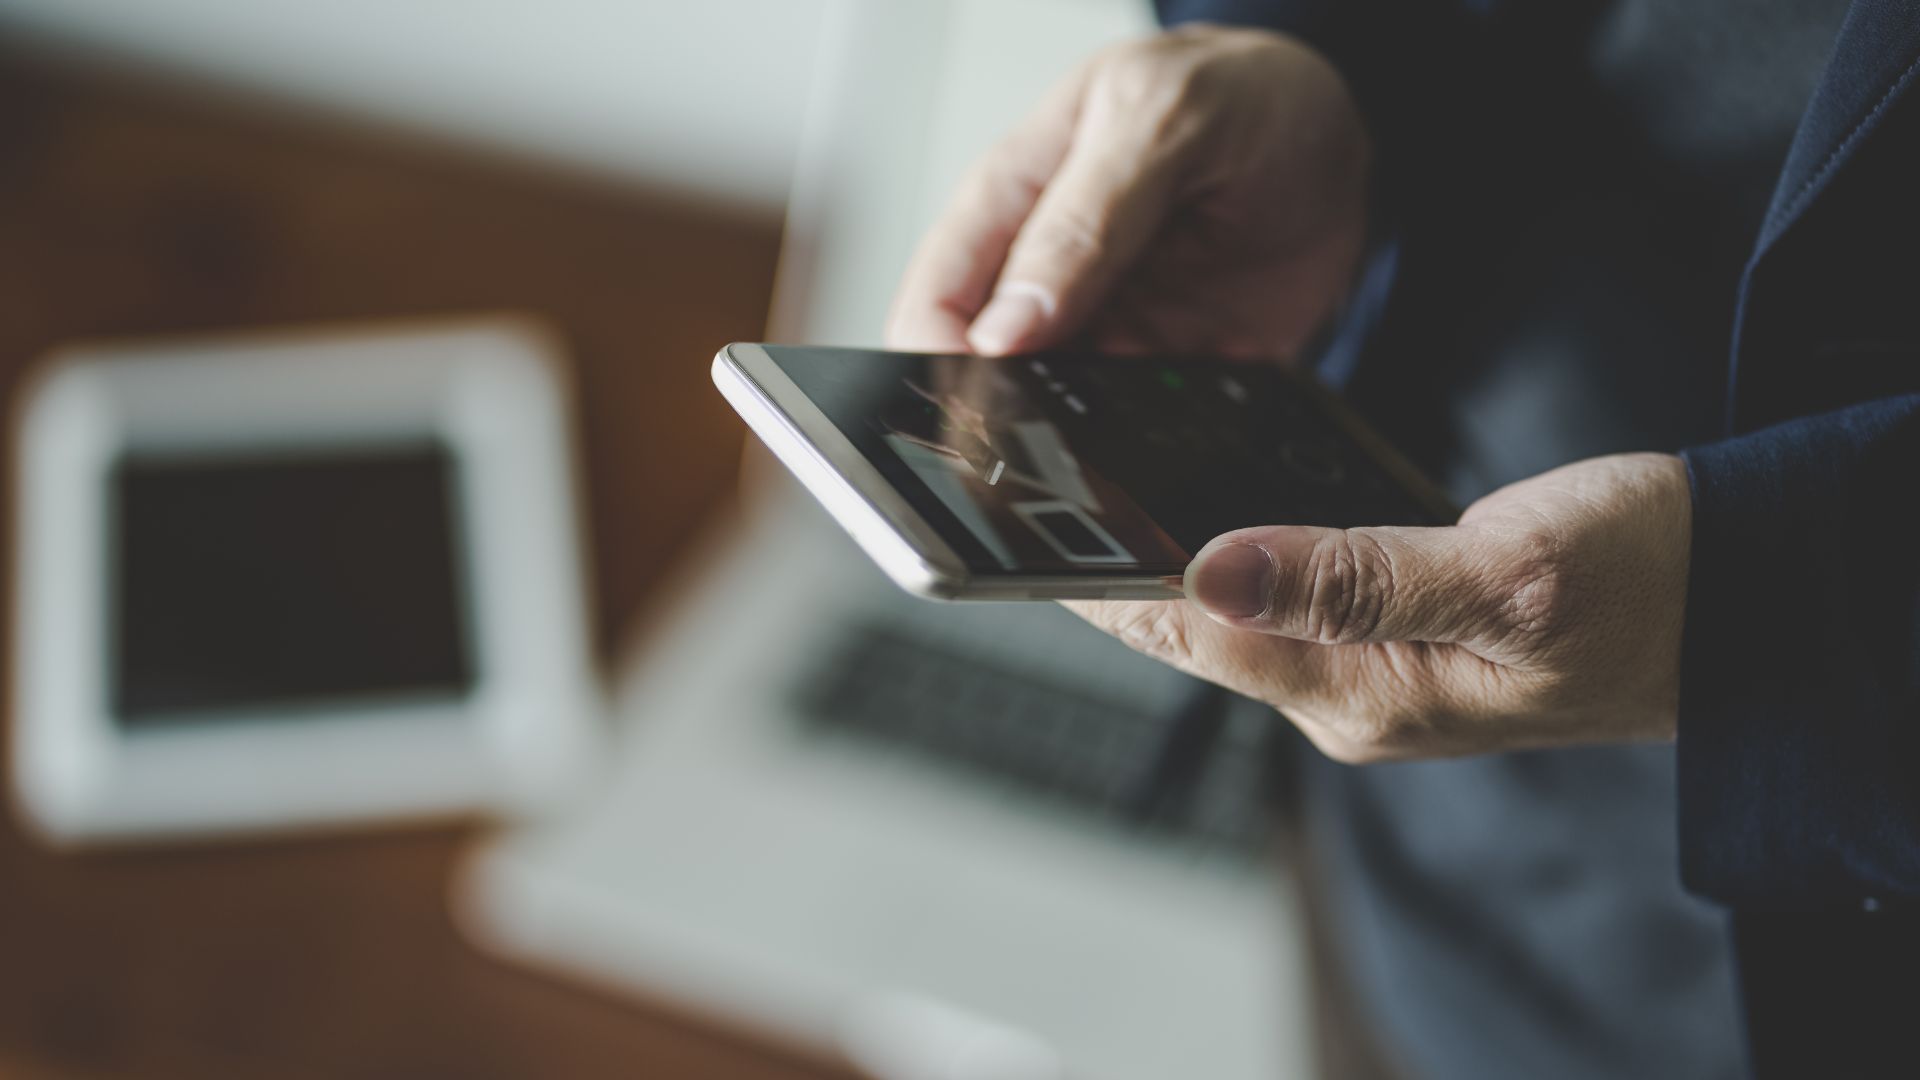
[1062, 475]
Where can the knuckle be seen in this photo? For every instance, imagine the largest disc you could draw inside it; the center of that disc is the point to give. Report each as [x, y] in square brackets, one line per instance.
[1398, 730]
[1144, 62]
[1156, 78]
[1156, 629]
[985, 175]
[1539, 588]
[1346, 748]
[1355, 731]
[1003, 176]
[1349, 582]
[1393, 711]
[1071, 234]
[1338, 749]
[1390, 732]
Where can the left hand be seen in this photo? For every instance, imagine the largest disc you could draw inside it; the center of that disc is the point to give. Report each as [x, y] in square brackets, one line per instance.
[1550, 615]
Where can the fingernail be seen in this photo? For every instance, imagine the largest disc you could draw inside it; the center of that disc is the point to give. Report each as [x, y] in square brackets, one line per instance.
[1013, 315]
[1235, 580]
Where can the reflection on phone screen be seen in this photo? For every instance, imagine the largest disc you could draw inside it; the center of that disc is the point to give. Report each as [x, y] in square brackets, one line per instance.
[1072, 463]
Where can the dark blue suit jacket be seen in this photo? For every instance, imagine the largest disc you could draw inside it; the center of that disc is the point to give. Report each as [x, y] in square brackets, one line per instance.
[1799, 746]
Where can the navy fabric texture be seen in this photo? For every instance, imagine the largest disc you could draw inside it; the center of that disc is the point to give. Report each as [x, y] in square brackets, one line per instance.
[1799, 694]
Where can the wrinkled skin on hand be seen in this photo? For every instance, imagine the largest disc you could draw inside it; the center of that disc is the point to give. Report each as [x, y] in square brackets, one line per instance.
[1204, 192]
[1550, 615]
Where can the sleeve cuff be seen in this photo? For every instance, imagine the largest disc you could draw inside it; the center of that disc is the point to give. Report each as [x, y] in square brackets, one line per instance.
[1799, 736]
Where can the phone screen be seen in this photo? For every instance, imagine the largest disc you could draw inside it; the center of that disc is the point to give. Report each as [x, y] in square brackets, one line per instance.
[1068, 464]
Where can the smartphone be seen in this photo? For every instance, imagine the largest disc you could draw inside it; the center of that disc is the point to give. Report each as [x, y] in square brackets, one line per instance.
[1057, 476]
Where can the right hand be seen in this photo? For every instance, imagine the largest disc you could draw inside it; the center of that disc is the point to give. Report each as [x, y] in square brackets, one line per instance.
[1202, 191]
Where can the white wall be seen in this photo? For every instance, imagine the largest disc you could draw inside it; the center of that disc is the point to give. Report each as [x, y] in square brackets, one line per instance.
[700, 95]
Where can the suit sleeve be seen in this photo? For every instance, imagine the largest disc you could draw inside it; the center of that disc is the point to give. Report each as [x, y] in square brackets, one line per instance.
[1799, 739]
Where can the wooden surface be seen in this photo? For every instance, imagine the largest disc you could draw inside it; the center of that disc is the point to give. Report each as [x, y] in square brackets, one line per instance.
[134, 207]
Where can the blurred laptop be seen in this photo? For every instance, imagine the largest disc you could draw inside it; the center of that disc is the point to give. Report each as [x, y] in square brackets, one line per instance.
[964, 842]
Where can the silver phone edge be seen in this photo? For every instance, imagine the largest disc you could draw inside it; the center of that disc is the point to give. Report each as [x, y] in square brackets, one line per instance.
[906, 548]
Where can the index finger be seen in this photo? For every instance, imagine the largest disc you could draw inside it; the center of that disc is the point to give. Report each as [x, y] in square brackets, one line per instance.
[1350, 700]
[1276, 670]
[953, 270]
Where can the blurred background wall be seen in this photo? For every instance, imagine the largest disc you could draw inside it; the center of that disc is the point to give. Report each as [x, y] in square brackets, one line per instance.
[192, 166]
[703, 97]
[620, 168]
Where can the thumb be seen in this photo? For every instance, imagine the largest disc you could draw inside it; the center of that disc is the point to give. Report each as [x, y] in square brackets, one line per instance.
[1343, 586]
[1091, 222]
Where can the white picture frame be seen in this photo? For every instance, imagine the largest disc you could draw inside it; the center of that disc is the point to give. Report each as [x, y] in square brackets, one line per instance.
[492, 392]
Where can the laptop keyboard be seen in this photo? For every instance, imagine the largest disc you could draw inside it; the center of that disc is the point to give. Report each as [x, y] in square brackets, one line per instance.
[1197, 773]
